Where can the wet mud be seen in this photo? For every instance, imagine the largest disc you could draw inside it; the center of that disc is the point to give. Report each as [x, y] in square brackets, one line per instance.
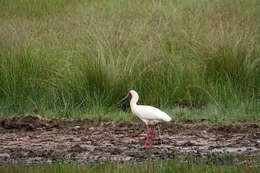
[34, 139]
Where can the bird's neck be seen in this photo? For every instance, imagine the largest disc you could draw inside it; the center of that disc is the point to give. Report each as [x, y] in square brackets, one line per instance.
[133, 102]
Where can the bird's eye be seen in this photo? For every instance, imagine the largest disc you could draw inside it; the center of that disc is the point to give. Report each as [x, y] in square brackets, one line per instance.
[129, 94]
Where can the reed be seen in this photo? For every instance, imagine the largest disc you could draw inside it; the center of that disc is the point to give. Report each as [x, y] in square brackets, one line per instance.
[62, 56]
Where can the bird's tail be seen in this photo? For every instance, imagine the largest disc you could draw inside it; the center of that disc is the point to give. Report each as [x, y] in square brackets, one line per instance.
[167, 118]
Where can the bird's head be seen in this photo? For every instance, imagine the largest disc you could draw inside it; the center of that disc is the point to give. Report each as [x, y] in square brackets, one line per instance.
[132, 93]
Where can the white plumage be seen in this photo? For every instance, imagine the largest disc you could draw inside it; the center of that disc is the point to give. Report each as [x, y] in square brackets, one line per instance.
[148, 114]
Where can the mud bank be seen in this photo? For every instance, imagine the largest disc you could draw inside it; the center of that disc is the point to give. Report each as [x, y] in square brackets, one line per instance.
[33, 139]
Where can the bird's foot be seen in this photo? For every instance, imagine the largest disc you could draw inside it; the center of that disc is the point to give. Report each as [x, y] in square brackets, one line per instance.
[146, 146]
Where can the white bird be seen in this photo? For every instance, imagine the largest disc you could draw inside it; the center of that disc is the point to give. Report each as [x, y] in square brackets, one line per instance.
[148, 114]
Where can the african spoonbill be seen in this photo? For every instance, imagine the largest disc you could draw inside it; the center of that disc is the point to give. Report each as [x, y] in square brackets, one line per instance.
[148, 114]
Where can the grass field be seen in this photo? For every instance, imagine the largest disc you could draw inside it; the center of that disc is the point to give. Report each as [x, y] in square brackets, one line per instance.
[160, 167]
[74, 58]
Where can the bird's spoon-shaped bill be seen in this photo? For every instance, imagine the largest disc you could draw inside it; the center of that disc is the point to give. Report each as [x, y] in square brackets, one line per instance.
[122, 100]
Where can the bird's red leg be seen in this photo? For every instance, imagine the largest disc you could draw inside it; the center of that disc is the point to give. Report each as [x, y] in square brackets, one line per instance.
[147, 137]
[151, 140]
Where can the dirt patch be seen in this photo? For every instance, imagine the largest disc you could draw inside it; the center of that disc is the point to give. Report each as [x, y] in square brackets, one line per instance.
[34, 139]
[34, 122]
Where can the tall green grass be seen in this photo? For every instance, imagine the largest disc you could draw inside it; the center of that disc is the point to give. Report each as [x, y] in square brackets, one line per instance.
[62, 56]
[34, 8]
[160, 167]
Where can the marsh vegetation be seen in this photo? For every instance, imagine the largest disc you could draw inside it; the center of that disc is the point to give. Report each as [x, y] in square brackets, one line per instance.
[70, 58]
[198, 60]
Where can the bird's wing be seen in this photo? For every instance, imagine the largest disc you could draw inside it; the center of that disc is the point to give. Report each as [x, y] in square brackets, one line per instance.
[151, 113]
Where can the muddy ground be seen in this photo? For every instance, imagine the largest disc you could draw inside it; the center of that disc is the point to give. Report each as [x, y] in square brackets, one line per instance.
[33, 139]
